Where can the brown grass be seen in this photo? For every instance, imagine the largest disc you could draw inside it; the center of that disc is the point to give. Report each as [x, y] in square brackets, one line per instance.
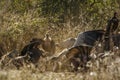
[16, 31]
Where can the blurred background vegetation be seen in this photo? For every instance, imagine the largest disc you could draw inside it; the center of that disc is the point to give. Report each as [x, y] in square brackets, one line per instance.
[21, 20]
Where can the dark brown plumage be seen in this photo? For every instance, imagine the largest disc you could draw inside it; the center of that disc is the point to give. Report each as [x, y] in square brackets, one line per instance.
[32, 50]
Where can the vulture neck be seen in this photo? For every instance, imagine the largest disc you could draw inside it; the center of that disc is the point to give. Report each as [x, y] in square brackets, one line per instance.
[47, 37]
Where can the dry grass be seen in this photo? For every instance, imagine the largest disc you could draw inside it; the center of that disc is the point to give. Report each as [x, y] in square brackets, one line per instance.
[110, 72]
[16, 30]
[107, 68]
